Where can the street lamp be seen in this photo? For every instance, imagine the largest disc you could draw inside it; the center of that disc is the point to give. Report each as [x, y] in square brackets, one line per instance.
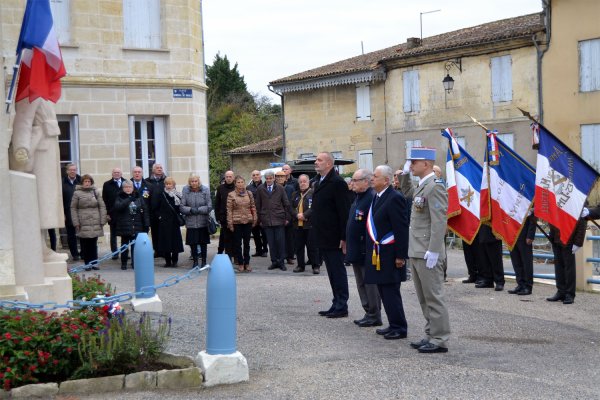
[448, 83]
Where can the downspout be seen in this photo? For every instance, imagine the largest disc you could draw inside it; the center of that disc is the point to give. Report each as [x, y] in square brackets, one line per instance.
[385, 130]
[283, 150]
[540, 55]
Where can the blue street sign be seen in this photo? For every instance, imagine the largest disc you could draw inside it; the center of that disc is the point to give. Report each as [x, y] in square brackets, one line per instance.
[182, 93]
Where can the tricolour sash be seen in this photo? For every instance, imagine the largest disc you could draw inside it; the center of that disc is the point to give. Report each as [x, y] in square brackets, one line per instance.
[386, 239]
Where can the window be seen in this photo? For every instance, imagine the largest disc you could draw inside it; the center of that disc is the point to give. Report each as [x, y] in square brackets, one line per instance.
[365, 159]
[303, 156]
[462, 141]
[68, 141]
[501, 79]
[410, 82]
[338, 154]
[147, 138]
[62, 20]
[141, 22]
[410, 144]
[363, 103]
[590, 145]
[589, 65]
[508, 139]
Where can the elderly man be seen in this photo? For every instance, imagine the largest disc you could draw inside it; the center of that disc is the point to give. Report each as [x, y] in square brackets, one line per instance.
[387, 249]
[226, 236]
[330, 214]
[282, 179]
[69, 182]
[303, 236]
[273, 209]
[289, 179]
[356, 237]
[426, 247]
[110, 191]
[258, 233]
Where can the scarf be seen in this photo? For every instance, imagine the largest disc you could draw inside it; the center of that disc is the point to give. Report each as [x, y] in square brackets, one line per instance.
[175, 195]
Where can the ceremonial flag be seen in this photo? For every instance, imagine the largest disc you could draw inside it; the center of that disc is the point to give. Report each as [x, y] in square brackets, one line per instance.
[463, 176]
[510, 188]
[563, 181]
[41, 60]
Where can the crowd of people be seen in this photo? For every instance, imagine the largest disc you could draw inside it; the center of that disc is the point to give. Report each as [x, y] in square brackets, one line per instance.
[388, 227]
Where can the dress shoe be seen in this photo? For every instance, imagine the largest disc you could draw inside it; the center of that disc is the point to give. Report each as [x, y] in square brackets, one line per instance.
[264, 254]
[393, 335]
[359, 321]
[273, 266]
[325, 312]
[568, 299]
[383, 331]
[556, 297]
[432, 348]
[483, 284]
[515, 290]
[282, 267]
[257, 254]
[316, 271]
[123, 267]
[369, 323]
[499, 287]
[298, 269]
[290, 261]
[115, 257]
[416, 345]
[337, 314]
[469, 280]
[76, 258]
[96, 268]
[524, 292]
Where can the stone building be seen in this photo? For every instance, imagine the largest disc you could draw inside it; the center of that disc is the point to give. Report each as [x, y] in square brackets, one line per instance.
[255, 156]
[374, 107]
[135, 92]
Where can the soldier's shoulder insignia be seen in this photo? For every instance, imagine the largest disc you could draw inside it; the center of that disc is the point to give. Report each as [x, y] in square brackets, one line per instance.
[440, 181]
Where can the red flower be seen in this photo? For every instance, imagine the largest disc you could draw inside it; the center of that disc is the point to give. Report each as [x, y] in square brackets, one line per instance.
[76, 336]
[55, 362]
[8, 369]
[27, 339]
[7, 336]
[1, 375]
[27, 353]
[69, 350]
[17, 318]
[32, 368]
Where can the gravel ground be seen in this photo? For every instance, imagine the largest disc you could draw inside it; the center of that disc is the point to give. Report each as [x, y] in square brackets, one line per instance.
[502, 346]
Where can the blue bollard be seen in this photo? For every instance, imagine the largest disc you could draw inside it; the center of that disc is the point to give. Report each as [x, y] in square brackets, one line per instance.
[221, 328]
[143, 257]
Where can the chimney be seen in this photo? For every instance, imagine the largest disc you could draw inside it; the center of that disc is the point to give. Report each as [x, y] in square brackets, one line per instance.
[413, 42]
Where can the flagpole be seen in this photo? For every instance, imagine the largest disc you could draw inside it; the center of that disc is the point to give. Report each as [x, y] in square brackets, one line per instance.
[16, 69]
[478, 123]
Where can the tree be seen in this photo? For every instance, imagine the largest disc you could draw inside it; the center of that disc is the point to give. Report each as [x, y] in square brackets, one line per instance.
[225, 84]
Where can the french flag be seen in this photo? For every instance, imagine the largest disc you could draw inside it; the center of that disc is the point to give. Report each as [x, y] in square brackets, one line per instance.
[463, 175]
[563, 181]
[510, 187]
[41, 60]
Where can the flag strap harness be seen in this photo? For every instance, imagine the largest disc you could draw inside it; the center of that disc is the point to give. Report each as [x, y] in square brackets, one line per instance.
[386, 239]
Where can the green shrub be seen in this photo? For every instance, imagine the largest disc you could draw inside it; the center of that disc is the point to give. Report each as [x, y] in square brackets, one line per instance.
[90, 287]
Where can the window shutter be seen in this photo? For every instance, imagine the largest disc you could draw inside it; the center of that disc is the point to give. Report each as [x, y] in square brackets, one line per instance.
[61, 15]
[363, 104]
[407, 104]
[141, 23]
[590, 144]
[501, 79]
[414, 95]
[589, 65]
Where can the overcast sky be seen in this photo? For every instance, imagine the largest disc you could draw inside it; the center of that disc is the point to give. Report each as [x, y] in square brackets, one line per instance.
[272, 39]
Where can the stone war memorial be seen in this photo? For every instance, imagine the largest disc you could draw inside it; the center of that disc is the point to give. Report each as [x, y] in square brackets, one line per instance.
[31, 201]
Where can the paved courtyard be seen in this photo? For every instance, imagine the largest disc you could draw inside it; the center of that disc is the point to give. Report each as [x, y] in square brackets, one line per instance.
[502, 346]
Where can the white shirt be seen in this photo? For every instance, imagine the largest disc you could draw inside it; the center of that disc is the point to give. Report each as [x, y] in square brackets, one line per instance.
[379, 194]
[425, 177]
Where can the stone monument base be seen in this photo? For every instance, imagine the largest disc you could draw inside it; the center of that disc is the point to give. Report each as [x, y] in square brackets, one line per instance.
[220, 369]
[150, 304]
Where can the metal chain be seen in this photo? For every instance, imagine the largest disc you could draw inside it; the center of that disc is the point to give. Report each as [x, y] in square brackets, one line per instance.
[101, 301]
[87, 267]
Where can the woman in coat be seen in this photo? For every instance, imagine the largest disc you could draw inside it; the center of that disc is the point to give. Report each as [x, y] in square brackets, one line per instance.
[241, 217]
[165, 205]
[131, 217]
[88, 214]
[196, 206]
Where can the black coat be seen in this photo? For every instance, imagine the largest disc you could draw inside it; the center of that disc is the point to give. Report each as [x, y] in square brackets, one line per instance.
[252, 187]
[169, 232]
[389, 215]
[110, 192]
[130, 214]
[154, 186]
[273, 208]
[356, 229]
[306, 208]
[330, 211]
[223, 191]
[67, 194]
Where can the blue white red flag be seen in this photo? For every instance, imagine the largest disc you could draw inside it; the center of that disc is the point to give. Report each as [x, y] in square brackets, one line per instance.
[563, 181]
[509, 189]
[463, 179]
[41, 60]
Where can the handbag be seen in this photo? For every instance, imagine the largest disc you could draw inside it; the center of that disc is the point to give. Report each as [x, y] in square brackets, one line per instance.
[180, 218]
[212, 225]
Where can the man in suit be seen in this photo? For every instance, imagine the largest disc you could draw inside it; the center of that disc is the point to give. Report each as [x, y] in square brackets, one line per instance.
[141, 187]
[69, 182]
[110, 192]
[330, 214]
[387, 249]
[490, 265]
[427, 248]
[258, 233]
[522, 257]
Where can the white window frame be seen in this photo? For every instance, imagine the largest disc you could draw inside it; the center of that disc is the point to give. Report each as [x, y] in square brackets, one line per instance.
[73, 121]
[160, 142]
[589, 65]
[462, 141]
[142, 24]
[61, 16]
[409, 144]
[590, 144]
[365, 159]
[363, 103]
[508, 139]
[501, 78]
[411, 95]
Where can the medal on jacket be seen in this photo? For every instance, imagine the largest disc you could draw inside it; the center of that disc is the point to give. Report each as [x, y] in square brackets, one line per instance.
[359, 215]
[419, 203]
[386, 239]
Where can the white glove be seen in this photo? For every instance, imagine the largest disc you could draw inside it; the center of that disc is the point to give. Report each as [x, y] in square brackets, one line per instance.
[575, 248]
[406, 168]
[585, 212]
[432, 259]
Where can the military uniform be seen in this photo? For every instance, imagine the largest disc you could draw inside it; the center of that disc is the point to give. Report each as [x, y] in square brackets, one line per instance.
[426, 234]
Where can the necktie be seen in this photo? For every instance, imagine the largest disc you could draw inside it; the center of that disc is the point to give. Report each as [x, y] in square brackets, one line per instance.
[118, 183]
[137, 186]
[375, 199]
[270, 188]
[301, 208]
